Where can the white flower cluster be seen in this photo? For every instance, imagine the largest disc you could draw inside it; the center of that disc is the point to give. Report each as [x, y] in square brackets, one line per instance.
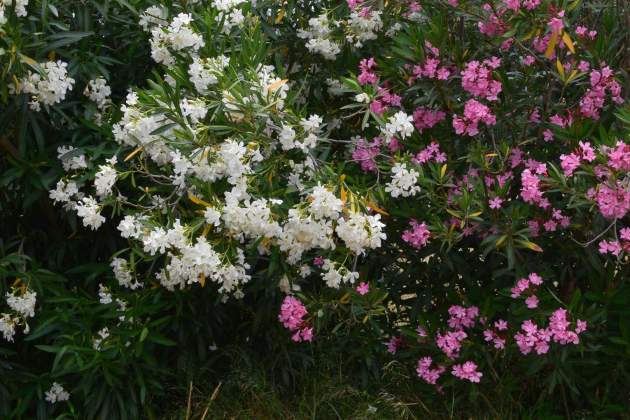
[311, 128]
[122, 273]
[229, 14]
[363, 27]
[56, 393]
[20, 9]
[22, 303]
[361, 232]
[203, 72]
[401, 124]
[334, 276]
[178, 36]
[102, 335]
[135, 129]
[153, 16]
[48, 87]
[99, 92]
[318, 35]
[403, 182]
[71, 158]
[105, 178]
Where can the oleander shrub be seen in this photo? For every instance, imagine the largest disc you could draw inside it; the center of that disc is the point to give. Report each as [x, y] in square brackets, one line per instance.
[441, 185]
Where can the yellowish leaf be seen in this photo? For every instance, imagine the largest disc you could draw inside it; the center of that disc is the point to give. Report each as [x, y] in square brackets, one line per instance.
[552, 45]
[560, 68]
[345, 298]
[569, 42]
[443, 170]
[198, 200]
[454, 213]
[275, 85]
[501, 240]
[475, 214]
[280, 15]
[202, 279]
[371, 204]
[132, 154]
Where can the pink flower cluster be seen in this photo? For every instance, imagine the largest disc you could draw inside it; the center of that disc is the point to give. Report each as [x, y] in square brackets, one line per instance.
[619, 157]
[467, 371]
[365, 154]
[461, 317]
[367, 76]
[394, 344]
[477, 79]
[532, 338]
[494, 24]
[551, 225]
[385, 98]
[615, 247]
[613, 201]
[571, 162]
[418, 235]
[593, 101]
[491, 335]
[526, 284]
[515, 5]
[431, 69]
[556, 23]
[425, 372]
[530, 189]
[474, 113]
[451, 342]
[291, 315]
[583, 32]
[431, 152]
[424, 118]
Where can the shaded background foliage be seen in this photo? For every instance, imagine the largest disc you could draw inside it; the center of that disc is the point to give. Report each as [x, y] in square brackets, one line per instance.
[64, 264]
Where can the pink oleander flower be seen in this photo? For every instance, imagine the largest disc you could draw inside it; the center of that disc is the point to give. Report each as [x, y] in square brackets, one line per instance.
[352, 4]
[532, 302]
[531, 4]
[547, 135]
[556, 23]
[513, 5]
[367, 76]
[530, 189]
[291, 315]
[422, 332]
[363, 288]
[496, 203]
[365, 154]
[430, 153]
[477, 79]
[584, 66]
[613, 247]
[318, 261]
[619, 157]
[424, 118]
[474, 113]
[394, 344]
[461, 317]
[418, 235]
[529, 60]
[497, 341]
[425, 372]
[467, 371]
[613, 202]
[450, 343]
[569, 163]
[602, 83]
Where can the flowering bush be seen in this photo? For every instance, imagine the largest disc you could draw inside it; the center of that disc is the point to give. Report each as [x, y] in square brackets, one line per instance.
[443, 183]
